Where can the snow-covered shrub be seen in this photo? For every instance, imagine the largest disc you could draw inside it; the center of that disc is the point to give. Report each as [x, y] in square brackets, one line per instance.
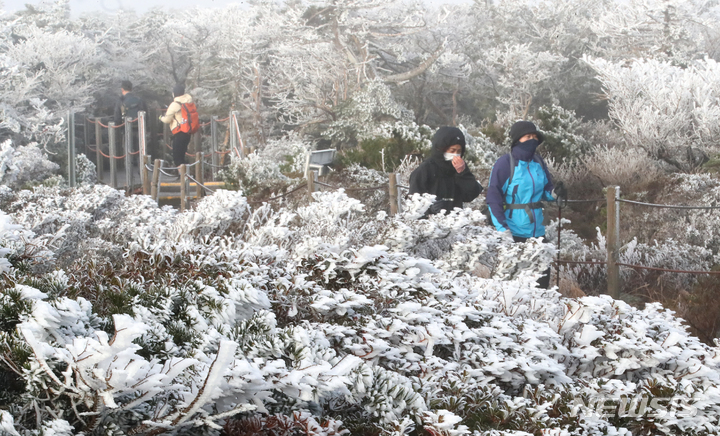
[303, 314]
[480, 152]
[86, 172]
[290, 150]
[24, 164]
[624, 167]
[254, 173]
[561, 129]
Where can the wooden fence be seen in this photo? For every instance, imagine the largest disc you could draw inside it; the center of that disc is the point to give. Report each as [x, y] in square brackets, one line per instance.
[151, 172]
[128, 150]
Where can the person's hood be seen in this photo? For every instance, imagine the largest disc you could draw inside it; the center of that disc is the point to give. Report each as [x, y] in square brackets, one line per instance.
[444, 138]
[184, 99]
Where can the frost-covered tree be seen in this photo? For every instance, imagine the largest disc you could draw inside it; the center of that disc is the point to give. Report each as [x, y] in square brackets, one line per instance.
[667, 110]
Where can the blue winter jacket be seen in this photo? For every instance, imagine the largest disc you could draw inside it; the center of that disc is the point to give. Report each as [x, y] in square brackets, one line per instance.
[531, 183]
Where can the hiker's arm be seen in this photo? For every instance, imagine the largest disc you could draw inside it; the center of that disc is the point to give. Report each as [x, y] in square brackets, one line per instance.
[170, 114]
[495, 198]
[118, 113]
[469, 186]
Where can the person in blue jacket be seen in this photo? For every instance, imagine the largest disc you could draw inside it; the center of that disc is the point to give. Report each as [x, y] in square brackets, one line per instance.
[519, 182]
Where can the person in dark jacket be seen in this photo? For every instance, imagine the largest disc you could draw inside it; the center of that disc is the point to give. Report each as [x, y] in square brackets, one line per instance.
[519, 181]
[444, 173]
[128, 105]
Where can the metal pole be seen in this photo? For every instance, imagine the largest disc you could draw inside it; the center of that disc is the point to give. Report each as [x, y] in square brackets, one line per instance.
[98, 154]
[71, 148]
[111, 151]
[183, 193]
[154, 191]
[198, 175]
[214, 146]
[128, 156]
[145, 175]
[142, 147]
[392, 187]
[613, 241]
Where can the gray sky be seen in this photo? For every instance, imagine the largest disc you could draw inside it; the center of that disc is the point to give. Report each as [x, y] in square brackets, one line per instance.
[80, 6]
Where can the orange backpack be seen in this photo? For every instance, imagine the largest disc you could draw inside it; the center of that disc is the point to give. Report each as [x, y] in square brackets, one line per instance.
[189, 119]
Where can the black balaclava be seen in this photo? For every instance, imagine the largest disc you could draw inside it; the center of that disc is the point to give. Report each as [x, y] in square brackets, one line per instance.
[524, 150]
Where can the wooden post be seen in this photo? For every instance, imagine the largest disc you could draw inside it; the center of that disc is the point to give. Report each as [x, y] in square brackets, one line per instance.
[392, 187]
[310, 176]
[197, 141]
[98, 150]
[71, 148]
[214, 145]
[111, 151]
[146, 175]
[198, 176]
[183, 184]
[155, 180]
[613, 241]
[128, 156]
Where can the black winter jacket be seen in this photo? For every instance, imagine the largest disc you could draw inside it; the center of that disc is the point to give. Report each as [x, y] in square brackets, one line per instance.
[437, 176]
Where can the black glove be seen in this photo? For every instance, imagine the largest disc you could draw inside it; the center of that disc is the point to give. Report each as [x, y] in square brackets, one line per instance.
[438, 207]
[560, 191]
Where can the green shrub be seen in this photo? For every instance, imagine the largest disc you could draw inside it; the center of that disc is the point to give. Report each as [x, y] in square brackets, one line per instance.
[369, 153]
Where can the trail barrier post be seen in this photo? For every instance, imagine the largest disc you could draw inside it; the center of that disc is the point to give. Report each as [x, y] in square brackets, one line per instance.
[155, 180]
[112, 154]
[214, 145]
[183, 184]
[128, 156]
[199, 176]
[145, 175]
[310, 175]
[98, 150]
[613, 241]
[71, 148]
[393, 191]
[142, 147]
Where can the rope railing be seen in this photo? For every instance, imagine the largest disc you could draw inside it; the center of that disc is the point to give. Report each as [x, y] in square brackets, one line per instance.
[667, 206]
[278, 196]
[581, 262]
[192, 179]
[666, 269]
[114, 127]
[213, 166]
[161, 169]
[369, 188]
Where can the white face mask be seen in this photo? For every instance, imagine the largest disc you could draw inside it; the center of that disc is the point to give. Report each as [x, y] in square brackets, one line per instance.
[450, 156]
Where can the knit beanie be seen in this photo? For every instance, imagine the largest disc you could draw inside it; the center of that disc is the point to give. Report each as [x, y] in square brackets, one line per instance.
[178, 90]
[446, 137]
[522, 128]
